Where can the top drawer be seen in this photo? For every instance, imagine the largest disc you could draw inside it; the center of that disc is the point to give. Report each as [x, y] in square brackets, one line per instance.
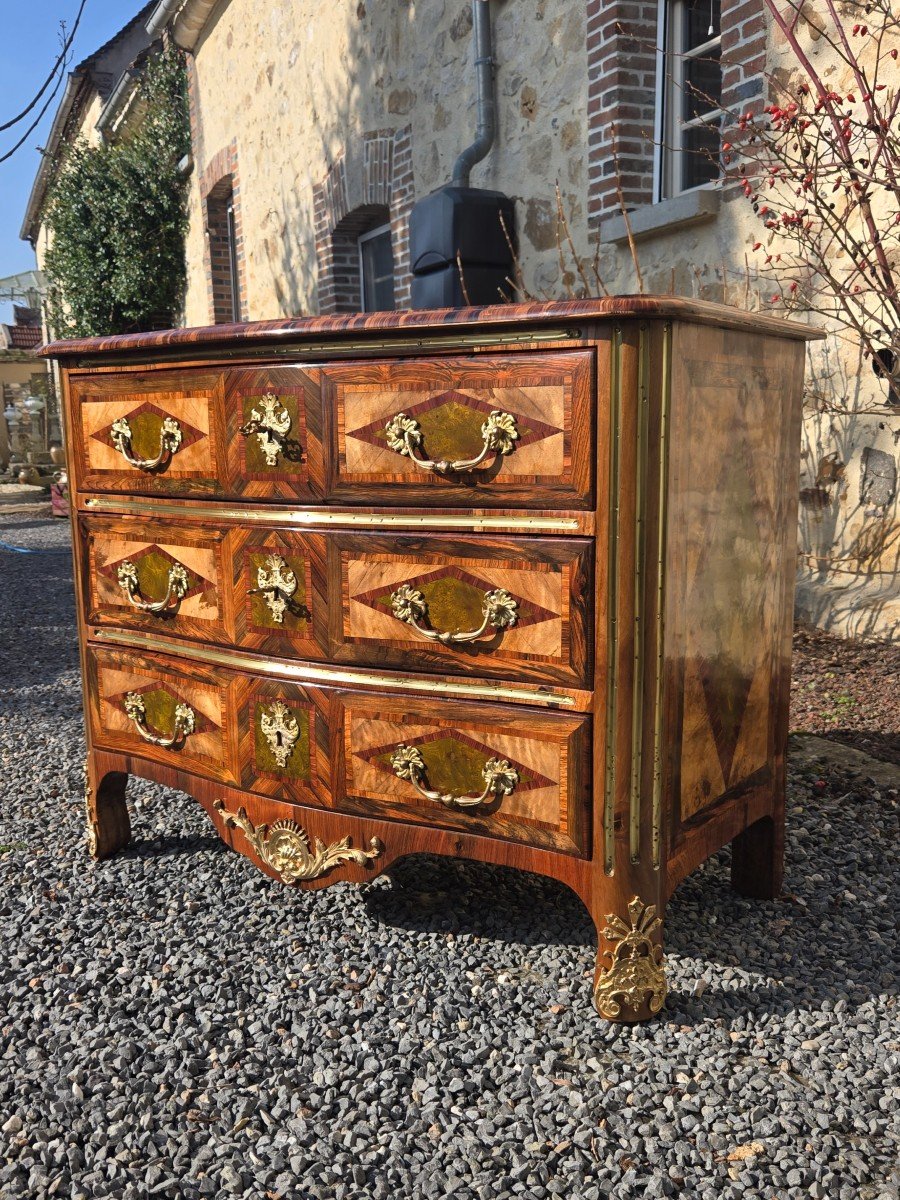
[478, 430]
[245, 433]
[472, 431]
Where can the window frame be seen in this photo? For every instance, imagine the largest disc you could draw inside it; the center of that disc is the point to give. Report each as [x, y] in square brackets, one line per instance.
[369, 235]
[668, 162]
[233, 266]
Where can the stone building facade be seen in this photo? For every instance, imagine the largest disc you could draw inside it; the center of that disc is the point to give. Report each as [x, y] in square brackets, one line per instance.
[317, 126]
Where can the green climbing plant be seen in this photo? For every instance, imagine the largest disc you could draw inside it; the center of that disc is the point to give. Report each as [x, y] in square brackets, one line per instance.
[117, 217]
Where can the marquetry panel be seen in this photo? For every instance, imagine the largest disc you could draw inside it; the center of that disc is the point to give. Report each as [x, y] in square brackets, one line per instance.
[294, 624]
[284, 740]
[547, 584]
[155, 549]
[547, 807]
[292, 469]
[114, 676]
[548, 396]
[145, 401]
[728, 548]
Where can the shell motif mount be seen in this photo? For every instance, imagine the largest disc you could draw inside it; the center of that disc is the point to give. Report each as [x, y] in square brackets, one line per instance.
[285, 848]
[499, 434]
[281, 730]
[634, 976]
[271, 422]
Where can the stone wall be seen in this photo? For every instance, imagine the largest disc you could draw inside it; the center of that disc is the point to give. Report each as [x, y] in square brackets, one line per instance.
[303, 88]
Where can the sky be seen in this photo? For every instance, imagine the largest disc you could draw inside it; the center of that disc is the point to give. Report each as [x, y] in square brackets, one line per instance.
[29, 45]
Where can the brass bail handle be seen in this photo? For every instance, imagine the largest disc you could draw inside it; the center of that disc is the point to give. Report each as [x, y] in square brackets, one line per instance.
[499, 611]
[500, 778]
[176, 590]
[184, 722]
[271, 422]
[170, 438]
[499, 433]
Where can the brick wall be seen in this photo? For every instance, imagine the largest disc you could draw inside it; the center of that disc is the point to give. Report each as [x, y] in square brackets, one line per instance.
[621, 39]
[384, 194]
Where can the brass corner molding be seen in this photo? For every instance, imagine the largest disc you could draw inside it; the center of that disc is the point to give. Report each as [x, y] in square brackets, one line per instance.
[285, 847]
[634, 976]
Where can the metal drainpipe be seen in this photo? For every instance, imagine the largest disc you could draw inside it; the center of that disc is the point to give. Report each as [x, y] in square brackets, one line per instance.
[487, 106]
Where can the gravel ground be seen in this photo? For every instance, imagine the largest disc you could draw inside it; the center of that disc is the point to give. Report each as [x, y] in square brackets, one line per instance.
[847, 691]
[177, 1025]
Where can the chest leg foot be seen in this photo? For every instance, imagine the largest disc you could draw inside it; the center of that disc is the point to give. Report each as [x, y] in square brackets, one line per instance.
[630, 980]
[757, 859]
[108, 826]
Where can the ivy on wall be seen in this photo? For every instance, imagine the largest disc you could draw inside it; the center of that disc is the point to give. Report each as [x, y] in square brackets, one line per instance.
[117, 218]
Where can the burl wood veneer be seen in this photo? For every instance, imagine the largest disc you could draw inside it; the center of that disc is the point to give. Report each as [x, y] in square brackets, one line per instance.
[511, 584]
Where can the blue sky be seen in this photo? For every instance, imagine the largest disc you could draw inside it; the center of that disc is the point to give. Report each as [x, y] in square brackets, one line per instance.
[29, 44]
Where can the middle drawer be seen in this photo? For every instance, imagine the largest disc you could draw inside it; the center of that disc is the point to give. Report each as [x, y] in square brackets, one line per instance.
[510, 608]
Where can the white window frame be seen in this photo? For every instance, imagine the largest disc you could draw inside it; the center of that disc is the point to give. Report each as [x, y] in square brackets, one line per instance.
[368, 236]
[668, 130]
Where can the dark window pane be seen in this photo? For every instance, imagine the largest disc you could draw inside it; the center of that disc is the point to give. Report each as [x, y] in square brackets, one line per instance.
[378, 272]
[700, 160]
[702, 84]
[699, 15]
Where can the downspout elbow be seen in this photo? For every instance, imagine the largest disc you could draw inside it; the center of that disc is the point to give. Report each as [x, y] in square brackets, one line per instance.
[487, 105]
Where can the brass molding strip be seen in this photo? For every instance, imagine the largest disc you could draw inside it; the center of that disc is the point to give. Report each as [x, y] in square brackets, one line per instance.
[640, 539]
[615, 423]
[325, 517]
[304, 672]
[663, 484]
[333, 349]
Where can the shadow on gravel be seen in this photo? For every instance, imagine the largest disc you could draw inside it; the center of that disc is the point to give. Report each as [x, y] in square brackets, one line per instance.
[174, 847]
[442, 895]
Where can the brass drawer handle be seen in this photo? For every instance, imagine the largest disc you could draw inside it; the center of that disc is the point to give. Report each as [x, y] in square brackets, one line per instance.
[184, 722]
[175, 592]
[500, 611]
[499, 778]
[278, 583]
[271, 422]
[170, 438]
[500, 434]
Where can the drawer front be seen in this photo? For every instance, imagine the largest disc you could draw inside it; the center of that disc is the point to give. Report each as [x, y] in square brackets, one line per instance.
[527, 418]
[513, 608]
[231, 433]
[518, 775]
[177, 713]
[161, 576]
[487, 769]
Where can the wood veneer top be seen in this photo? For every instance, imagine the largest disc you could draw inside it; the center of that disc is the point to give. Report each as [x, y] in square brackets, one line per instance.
[433, 320]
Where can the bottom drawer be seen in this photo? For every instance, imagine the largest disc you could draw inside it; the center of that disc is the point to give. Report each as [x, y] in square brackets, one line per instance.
[492, 769]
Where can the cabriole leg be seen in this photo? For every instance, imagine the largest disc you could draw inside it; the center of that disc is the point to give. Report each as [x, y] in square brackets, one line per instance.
[108, 826]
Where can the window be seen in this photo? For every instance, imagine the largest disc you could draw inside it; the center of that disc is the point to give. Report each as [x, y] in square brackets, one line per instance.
[376, 269]
[690, 96]
[221, 219]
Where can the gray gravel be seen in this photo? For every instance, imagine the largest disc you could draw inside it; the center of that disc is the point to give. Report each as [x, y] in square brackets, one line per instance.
[177, 1025]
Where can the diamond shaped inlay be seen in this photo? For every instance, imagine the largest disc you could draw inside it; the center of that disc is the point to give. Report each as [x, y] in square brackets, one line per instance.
[455, 599]
[145, 421]
[153, 564]
[159, 707]
[454, 762]
[451, 424]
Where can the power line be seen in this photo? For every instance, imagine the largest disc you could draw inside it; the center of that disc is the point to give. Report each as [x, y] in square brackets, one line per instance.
[60, 62]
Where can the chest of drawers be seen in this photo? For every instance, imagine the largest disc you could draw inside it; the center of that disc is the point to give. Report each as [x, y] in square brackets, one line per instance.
[511, 584]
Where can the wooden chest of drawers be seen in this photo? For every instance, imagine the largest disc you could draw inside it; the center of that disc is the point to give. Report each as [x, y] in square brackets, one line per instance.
[510, 584]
